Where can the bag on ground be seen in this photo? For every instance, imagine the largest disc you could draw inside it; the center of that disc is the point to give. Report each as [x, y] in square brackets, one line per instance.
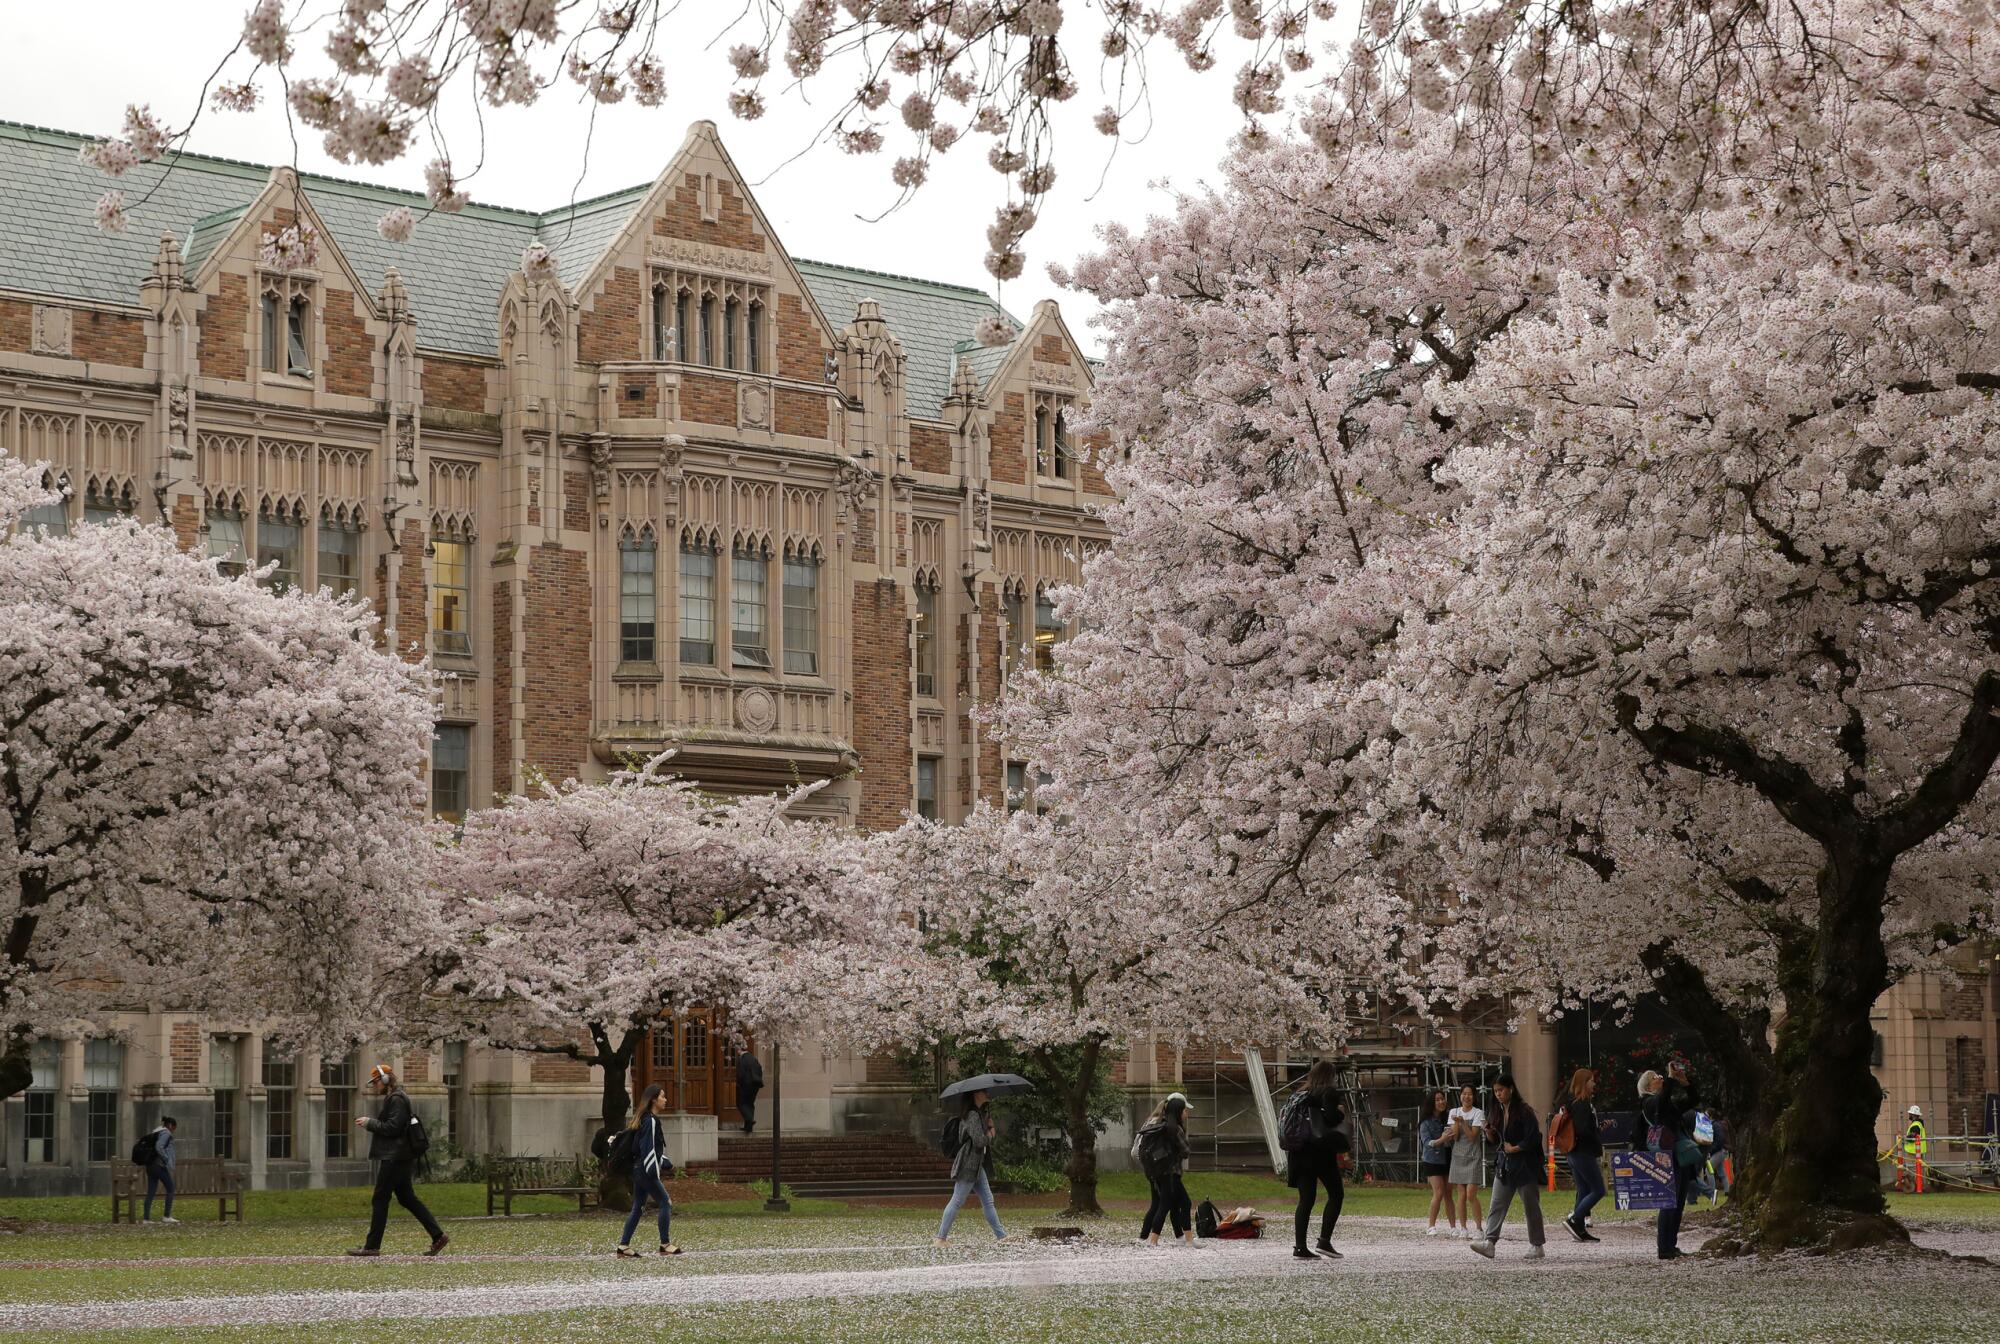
[1206, 1218]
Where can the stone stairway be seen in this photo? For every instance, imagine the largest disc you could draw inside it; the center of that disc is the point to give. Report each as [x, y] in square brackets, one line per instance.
[837, 1166]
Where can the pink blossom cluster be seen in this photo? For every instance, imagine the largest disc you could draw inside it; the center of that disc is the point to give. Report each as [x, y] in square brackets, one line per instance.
[383, 64]
[202, 773]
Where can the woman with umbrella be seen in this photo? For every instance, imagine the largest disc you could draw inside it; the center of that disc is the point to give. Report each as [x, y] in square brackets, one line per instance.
[972, 1162]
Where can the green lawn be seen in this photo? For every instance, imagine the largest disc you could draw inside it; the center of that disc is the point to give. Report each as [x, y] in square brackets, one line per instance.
[1396, 1285]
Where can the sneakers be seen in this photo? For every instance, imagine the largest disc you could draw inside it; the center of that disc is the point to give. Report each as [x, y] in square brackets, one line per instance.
[1534, 1253]
[1482, 1247]
[367, 1252]
[1326, 1249]
[1301, 1253]
[1575, 1229]
[438, 1244]
[1433, 1231]
[171, 1221]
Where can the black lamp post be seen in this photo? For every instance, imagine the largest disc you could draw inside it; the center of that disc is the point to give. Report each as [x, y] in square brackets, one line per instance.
[777, 1203]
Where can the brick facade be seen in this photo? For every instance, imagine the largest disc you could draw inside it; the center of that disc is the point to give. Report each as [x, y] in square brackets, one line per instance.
[187, 1045]
[225, 329]
[882, 704]
[350, 351]
[455, 385]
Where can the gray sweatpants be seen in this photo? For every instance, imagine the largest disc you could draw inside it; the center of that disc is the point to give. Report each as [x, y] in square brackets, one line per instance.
[1503, 1195]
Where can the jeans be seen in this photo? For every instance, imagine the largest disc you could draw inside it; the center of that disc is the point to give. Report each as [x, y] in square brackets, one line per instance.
[1718, 1165]
[1587, 1170]
[157, 1175]
[393, 1178]
[1302, 1216]
[1170, 1200]
[961, 1192]
[647, 1184]
[1670, 1219]
[1503, 1195]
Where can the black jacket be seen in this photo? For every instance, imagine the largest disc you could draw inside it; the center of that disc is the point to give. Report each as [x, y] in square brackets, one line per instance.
[1321, 1162]
[391, 1129]
[1583, 1124]
[749, 1075]
[1669, 1108]
[1519, 1125]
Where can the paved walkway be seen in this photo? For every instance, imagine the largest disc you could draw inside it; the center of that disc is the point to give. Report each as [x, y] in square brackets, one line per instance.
[974, 1264]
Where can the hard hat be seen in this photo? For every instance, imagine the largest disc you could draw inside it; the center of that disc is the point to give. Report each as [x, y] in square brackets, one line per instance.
[1916, 1110]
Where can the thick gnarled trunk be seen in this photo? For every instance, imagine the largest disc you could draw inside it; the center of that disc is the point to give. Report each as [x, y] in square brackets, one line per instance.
[1812, 1178]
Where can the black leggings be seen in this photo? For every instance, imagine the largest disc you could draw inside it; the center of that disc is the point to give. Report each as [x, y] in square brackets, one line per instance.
[1170, 1200]
[392, 1180]
[1302, 1218]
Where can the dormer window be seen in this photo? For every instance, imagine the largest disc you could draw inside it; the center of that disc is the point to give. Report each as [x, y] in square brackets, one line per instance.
[286, 322]
[714, 321]
[1055, 459]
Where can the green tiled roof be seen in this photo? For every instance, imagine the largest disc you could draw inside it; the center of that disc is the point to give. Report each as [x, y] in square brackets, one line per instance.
[454, 266]
[929, 319]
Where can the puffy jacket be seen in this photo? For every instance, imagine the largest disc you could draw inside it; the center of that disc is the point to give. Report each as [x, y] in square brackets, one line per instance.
[391, 1129]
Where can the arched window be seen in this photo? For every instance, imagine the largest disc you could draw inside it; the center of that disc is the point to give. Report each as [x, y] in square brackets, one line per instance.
[753, 339]
[927, 639]
[684, 327]
[697, 604]
[708, 330]
[731, 311]
[1044, 462]
[1063, 461]
[662, 329]
[1048, 632]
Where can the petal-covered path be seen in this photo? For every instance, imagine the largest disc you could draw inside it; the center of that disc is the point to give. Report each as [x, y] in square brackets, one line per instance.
[1371, 1246]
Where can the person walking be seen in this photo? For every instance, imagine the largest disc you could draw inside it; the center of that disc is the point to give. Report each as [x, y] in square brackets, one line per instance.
[749, 1082]
[1665, 1103]
[1465, 1132]
[1434, 1161]
[160, 1172]
[390, 1147]
[1720, 1175]
[650, 1168]
[1318, 1164]
[1163, 1154]
[970, 1169]
[1586, 1153]
[1517, 1132]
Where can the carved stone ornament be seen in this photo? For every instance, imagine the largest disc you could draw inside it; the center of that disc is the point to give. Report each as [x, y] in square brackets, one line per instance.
[728, 261]
[1058, 375]
[406, 450]
[177, 421]
[756, 710]
[600, 466]
[51, 330]
[851, 485]
[754, 407]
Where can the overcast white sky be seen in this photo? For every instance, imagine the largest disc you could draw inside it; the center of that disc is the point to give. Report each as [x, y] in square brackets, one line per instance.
[75, 66]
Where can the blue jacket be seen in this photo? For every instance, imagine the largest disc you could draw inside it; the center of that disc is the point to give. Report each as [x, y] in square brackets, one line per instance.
[163, 1147]
[649, 1150]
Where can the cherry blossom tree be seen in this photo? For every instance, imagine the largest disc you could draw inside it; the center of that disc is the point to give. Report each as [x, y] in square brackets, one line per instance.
[1564, 477]
[921, 75]
[577, 918]
[1068, 935]
[213, 792]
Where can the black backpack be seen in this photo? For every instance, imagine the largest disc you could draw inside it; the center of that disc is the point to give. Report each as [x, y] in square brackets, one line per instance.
[1156, 1156]
[618, 1159]
[418, 1140]
[948, 1137]
[1298, 1128]
[1207, 1219]
[147, 1150]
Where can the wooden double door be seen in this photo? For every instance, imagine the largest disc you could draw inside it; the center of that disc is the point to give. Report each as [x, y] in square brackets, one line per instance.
[690, 1054]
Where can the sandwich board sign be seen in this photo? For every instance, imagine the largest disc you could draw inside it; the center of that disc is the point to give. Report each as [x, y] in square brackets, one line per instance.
[1643, 1180]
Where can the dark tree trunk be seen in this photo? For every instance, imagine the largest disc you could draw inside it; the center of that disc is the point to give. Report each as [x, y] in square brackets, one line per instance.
[616, 1062]
[1812, 1178]
[1082, 1166]
[16, 1071]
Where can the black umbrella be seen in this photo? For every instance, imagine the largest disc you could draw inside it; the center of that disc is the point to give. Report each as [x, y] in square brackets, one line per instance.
[993, 1084]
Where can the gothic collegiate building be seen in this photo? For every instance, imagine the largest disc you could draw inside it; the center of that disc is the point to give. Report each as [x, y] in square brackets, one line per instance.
[680, 489]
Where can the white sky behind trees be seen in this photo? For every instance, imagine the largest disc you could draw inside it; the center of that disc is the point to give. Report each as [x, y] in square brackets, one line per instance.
[821, 201]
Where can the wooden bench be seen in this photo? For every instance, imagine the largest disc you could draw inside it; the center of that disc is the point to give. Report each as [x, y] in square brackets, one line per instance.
[508, 1178]
[194, 1178]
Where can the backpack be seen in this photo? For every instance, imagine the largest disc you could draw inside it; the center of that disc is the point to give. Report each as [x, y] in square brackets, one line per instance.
[1207, 1219]
[147, 1150]
[1156, 1152]
[1562, 1132]
[623, 1152]
[948, 1137]
[1298, 1128]
[418, 1140]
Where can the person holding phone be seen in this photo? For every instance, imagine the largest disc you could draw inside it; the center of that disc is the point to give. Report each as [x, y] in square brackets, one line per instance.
[1465, 1132]
[1666, 1104]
